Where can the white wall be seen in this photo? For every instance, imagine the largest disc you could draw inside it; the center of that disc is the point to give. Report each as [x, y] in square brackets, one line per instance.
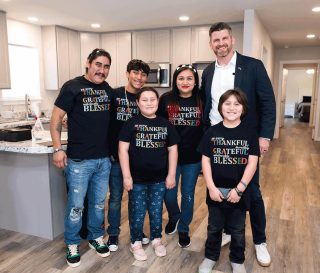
[256, 41]
[299, 84]
[29, 35]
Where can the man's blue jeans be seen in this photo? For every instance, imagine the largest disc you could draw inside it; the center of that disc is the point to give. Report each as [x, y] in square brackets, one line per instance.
[143, 198]
[114, 207]
[189, 176]
[85, 177]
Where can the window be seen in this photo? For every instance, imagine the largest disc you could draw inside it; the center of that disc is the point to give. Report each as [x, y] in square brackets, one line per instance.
[24, 73]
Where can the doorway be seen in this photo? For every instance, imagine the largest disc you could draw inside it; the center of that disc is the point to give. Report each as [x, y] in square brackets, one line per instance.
[298, 95]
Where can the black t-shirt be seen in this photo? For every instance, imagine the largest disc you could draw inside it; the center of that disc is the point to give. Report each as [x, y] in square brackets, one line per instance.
[88, 107]
[123, 107]
[187, 119]
[228, 150]
[148, 151]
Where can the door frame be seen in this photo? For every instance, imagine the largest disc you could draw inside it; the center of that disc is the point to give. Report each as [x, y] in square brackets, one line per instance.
[279, 93]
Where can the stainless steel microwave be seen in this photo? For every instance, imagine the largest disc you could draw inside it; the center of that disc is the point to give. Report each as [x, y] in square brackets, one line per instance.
[159, 75]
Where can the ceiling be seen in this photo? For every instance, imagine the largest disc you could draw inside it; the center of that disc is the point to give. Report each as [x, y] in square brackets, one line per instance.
[287, 21]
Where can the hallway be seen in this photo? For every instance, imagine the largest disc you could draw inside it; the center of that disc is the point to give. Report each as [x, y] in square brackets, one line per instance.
[290, 184]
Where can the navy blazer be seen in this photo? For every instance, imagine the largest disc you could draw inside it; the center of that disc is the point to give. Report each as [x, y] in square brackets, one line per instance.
[252, 78]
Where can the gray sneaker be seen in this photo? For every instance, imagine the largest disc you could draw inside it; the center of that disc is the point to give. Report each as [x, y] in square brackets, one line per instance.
[206, 266]
[238, 268]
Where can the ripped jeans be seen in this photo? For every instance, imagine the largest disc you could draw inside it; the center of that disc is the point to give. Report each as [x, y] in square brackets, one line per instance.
[85, 177]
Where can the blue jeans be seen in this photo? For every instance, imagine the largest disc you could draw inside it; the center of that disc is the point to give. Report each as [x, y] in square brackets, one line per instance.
[143, 198]
[114, 207]
[189, 176]
[234, 220]
[85, 177]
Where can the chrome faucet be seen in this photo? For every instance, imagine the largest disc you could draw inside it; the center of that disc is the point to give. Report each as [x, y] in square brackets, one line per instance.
[27, 103]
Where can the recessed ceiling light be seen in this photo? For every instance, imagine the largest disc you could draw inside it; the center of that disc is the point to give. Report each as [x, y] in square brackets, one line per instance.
[184, 18]
[316, 9]
[310, 71]
[311, 36]
[95, 25]
[33, 19]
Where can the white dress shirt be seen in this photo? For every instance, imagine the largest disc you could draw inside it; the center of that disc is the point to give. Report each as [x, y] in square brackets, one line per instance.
[223, 80]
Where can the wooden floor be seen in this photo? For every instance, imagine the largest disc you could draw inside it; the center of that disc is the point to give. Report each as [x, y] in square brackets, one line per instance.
[291, 188]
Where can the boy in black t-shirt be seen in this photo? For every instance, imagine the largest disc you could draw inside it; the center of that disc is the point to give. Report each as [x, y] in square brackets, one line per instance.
[148, 156]
[230, 153]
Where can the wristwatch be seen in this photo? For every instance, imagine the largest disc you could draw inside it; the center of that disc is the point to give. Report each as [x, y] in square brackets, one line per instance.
[238, 192]
[55, 150]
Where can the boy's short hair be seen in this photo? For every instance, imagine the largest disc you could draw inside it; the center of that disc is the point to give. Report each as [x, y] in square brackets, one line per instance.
[241, 98]
[144, 89]
[138, 65]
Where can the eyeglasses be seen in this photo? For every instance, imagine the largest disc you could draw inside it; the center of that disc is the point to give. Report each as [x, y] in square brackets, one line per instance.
[188, 66]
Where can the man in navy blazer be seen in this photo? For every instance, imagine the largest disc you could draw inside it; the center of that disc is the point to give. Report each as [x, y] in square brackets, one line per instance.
[233, 70]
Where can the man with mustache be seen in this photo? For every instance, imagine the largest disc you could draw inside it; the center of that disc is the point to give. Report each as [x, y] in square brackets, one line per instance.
[232, 70]
[86, 101]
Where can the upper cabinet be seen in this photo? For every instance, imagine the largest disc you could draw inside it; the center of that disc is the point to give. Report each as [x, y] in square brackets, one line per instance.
[119, 47]
[4, 53]
[151, 46]
[181, 46]
[200, 49]
[61, 53]
[89, 41]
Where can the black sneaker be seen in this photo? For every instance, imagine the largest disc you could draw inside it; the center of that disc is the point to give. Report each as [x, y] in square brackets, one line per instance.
[184, 239]
[145, 239]
[100, 247]
[73, 255]
[113, 242]
[171, 227]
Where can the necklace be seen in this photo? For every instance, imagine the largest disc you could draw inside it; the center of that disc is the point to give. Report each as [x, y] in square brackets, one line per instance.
[127, 101]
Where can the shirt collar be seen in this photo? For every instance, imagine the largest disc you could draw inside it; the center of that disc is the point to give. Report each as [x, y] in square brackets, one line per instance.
[232, 61]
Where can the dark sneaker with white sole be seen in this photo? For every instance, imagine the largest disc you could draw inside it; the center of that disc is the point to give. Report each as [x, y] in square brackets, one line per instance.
[113, 243]
[171, 227]
[184, 239]
[145, 239]
[100, 247]
[73, 255]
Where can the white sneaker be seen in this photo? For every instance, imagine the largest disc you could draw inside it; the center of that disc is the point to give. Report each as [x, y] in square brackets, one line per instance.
[206, 266]
[226, 239]
[238, 268]
[262, 253]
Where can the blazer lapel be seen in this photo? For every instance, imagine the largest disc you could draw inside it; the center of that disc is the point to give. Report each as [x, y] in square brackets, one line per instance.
[210, 77]
[239, 71]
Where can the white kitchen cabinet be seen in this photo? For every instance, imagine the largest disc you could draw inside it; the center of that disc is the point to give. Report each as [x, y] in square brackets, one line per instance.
[119, 47]
[151, 46]
[61, 53]
[181, 47]
[88, 41]
[200, 49]
[4, 53]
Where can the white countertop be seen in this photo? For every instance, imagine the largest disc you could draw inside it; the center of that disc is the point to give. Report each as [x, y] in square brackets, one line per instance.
[31, 146]
[15, 123]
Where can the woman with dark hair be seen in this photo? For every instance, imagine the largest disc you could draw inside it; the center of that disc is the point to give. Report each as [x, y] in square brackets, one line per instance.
[183, 107]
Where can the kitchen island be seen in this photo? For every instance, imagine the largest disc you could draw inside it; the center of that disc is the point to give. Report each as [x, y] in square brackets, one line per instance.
[33, 191]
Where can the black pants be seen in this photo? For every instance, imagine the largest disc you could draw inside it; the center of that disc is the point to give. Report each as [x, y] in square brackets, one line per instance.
[257, 211]
[234, 220]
